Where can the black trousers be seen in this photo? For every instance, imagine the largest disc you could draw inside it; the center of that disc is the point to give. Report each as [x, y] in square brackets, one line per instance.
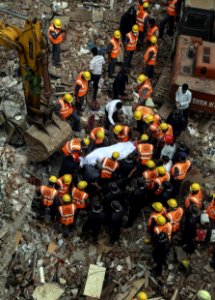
[95, 79]
[128, 58]
[79, 103]
[150, 71]
[166, 20]
[107, 122]
[56, 55]
[111, 66]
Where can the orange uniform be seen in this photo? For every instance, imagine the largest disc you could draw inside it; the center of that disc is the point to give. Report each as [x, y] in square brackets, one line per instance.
[154, 127]
[210, 210]
[195, 199]
[179, 170]
[123, 136]
[175, 217]
[145, 89]
[150, 176]
[64, 188]
[71, 146]
[48, 193]
[93, 132]
[83, 84]
[66, 109]
[60, 37]
[79, 198]
[132, 41]
[109, 166]
[167, 228]
[116, 47]
[67, 213]
[151, 61]
[152, 31]
[145, 152]
[155, 214]
[141, 17]
[145, 111]
[159, 181]
[171, 10]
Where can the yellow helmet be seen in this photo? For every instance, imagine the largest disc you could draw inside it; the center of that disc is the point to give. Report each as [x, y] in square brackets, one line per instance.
[142, 296]
[117, 129]
[161, 220]
[82, 185]
[66, 198]
[213, 196]
[135, 28]
[87, 75]
[172, 203]
[146, 4]
[68, 98]
[52, 179]
[67, 178]
[195, 187]
[137, 115]
[117, 34]
[161, 170]
[141, 78]
[203, 295]
[149, 119]
[86, 141]
[163, 126]
[115, 155]
[158, 206]
[100, 134]
[150, 164]
[57, 23]
[153, 39]
[144, 138]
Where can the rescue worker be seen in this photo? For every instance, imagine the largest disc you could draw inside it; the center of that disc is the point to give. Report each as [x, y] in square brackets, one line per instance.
[203, 295]
[160, 252]
[174, 214]
[49, 196]
[65, 110]
[210, 210]
[169, 147]
[141, 296]
[94, 222]
[119, 84]
[126, 166]
[166, 192]
[163, 226]
[81, 89]
[128, 19]
[144, 88]
[181, 150]
[75, 145]
[142, 22]
[163, 176]
[67, 214]
[109, 166]
[122, 133]
[195, 196]
[63, 184]
[97, 137]
[150, 174]
[136, 201]
[169, 18]
[178, 172]
[159, 210]
[79, 196]
[114, 221]
[153, 122]
[152, 30]
[140, 114]
[150, 57]
[113, 50]
[56, 37]
[188, 228]
[130, 43]
[112, 112]
[166, 129]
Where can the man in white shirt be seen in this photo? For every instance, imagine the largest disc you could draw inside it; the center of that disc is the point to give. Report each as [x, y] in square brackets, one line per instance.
[96, 65]
[111, 110]
[183, 99]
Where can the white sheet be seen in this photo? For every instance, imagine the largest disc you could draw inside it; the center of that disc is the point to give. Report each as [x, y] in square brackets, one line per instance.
[123, 148]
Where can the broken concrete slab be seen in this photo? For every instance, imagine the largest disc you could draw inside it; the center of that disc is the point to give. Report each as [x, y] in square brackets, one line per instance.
[94, 283]
[48, 291]
[97, 15]
[80, 15]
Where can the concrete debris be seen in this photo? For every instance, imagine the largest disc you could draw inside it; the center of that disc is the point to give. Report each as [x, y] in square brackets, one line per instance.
[48, 291]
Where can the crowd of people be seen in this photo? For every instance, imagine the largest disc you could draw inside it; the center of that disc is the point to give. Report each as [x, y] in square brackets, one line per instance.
[114, 190]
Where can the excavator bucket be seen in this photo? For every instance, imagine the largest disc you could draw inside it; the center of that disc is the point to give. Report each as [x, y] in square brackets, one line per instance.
[43, 142]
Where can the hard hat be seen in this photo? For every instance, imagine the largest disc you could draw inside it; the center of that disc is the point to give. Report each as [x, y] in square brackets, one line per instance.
[144, 138]
[117, 34]
[153, 39]
[137, 115]
[150, 164]
[67, 178]
[161, 220]
[163, 126]
[117, 129]
[57, 23]
[87, 75]
[142, 296]
[149, 119]
[115, 155]
[86, 141]
[203, 295]
[135, 28]
[116, 205]
[100, 134]
[195, 187]
[66, 198]
[146, 4]
[68, 98]
[213, 196]
[158, 206]
[82, 185]
[161, 170]
[52, 179]
[172, 203]
[141, 78]
[169, 139]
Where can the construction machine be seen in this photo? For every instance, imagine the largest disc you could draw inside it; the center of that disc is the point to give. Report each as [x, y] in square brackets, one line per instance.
[44, 132]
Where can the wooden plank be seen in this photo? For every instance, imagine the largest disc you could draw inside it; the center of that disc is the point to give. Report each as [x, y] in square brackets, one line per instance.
[94, 283]
[135, 287]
